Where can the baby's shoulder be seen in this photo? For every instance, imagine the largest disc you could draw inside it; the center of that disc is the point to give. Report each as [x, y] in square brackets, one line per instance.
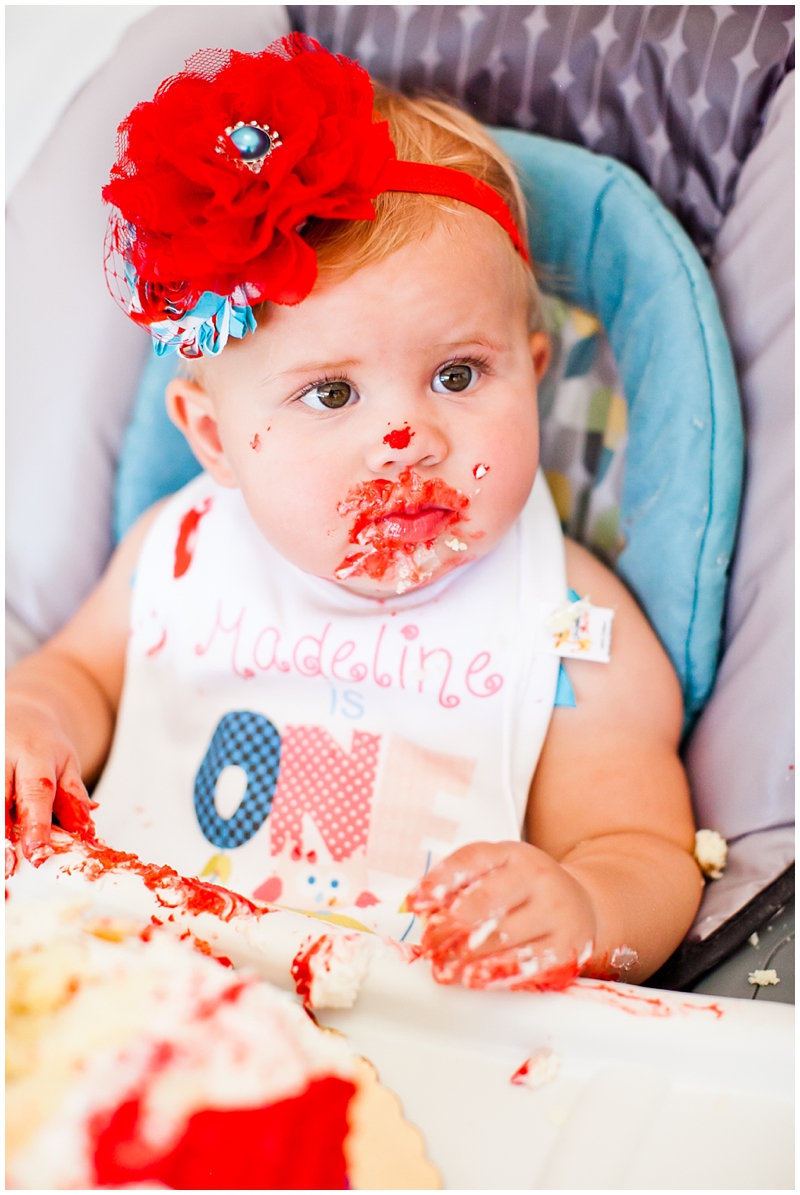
[639, 682]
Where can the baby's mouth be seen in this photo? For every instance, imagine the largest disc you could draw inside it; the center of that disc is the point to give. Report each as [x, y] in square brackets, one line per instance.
[415, 527]
[395, 528]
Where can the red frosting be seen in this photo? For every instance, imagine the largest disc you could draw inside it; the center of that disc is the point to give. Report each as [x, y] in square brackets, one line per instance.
[301, 969]
[373, 502]
[187, 893]
[184, 547]
[291, 1145]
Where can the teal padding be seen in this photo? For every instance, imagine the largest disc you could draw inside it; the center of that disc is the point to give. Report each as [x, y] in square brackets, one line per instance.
[155, 460]
[604, 242]
[565, 694]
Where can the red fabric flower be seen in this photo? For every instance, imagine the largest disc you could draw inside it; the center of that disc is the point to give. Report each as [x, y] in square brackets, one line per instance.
[165, 300]
[203, 221]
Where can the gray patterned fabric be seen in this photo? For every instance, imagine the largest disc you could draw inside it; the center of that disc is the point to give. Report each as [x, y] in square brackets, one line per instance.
[678, 92]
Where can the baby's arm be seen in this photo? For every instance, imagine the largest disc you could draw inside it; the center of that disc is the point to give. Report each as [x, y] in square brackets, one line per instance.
[61, 704]
[609, 823]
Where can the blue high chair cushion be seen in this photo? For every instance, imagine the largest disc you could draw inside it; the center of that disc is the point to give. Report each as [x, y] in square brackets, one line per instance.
[605, 243]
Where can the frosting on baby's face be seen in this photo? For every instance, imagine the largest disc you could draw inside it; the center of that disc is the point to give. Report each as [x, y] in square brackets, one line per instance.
[385, 430]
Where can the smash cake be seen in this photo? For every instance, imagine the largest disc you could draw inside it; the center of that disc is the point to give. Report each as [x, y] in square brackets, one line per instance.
[134, 1058]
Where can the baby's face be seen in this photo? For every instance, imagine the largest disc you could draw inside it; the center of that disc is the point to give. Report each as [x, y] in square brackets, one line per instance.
[385, 430]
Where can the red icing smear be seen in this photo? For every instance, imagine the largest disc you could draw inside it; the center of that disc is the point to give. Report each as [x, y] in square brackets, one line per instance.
[408, 953]
[72, 811]
[294, 1144]
[156, 648]
[519, 1075]
[451, 961]
[184, 548]
[302, 972]
[191, 895]
[202, 947]
[399, 438]
[637, 1003]
[504, 971]
[379, 538]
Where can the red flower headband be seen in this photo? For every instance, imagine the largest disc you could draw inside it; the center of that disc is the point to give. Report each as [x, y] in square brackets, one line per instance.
[217, 174]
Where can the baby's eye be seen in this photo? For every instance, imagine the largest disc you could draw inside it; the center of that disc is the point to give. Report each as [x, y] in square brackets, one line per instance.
[330, 396]
[452, 378]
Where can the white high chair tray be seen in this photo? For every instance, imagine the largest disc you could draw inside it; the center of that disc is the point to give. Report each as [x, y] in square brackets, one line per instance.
[654, 1090]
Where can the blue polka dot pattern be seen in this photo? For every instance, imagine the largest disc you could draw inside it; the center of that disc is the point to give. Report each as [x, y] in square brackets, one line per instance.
[251, 741]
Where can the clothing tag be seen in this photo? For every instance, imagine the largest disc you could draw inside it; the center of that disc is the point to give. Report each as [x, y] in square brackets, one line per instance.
[577, 630]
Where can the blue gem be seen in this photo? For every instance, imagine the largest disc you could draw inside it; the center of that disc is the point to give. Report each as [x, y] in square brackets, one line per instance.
[251, 142]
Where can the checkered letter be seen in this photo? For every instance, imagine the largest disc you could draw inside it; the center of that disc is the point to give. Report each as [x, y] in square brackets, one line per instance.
[251, 742]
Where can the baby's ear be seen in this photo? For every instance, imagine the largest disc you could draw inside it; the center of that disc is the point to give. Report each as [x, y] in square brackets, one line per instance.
[191, 410]
[540, 353]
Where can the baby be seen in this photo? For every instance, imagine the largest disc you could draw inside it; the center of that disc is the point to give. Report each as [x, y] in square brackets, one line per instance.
[329, 659]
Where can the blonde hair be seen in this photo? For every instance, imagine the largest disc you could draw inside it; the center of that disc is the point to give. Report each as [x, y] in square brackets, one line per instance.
[430, 131]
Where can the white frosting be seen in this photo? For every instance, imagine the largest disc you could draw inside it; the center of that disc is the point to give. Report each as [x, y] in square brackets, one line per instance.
[337, 969]
[624, 958]
[482, 931]
[540, 1068]
[268, 940]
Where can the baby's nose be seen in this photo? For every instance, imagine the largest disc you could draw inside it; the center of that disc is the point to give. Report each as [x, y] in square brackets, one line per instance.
[406, 444]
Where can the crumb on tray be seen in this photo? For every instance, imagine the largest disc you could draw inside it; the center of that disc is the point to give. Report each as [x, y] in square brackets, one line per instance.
[711, 853]
[763, 979]
[540, 1068]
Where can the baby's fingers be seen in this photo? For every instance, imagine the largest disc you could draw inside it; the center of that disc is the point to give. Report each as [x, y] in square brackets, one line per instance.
[454, 874]
[34, 789]
[483, 911]
[72, 806]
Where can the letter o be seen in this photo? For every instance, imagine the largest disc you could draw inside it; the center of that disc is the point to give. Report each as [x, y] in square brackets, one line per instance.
[251, 741]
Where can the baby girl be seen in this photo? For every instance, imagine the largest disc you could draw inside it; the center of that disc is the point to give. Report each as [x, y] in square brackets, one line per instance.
[329, 665]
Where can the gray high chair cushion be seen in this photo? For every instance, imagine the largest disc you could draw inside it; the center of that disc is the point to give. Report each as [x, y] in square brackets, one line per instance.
[741, 757]
[678, 92]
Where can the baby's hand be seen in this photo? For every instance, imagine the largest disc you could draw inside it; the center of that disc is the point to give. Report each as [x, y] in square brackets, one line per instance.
[504, 915]
[43, 777]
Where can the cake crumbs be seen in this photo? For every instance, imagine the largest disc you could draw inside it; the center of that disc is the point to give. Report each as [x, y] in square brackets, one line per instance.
[540, 1068]
[711, 853]
[763, 979]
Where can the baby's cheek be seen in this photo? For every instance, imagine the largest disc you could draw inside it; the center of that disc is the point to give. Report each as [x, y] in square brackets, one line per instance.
[501, 492]
[297, 514]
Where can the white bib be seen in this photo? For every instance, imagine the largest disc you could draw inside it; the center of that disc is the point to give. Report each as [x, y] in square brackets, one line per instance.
[312, 747]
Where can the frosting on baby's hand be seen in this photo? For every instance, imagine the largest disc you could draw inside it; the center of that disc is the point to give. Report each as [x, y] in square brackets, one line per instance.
[504, 915]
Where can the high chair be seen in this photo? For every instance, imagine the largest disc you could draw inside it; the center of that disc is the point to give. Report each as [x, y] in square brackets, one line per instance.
[657, 494]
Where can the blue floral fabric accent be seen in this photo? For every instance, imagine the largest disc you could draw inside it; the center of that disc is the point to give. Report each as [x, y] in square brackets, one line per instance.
[204, 331]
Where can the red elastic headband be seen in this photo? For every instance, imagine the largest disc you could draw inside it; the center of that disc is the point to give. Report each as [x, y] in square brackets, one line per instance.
[423, 179]
[217, 175]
